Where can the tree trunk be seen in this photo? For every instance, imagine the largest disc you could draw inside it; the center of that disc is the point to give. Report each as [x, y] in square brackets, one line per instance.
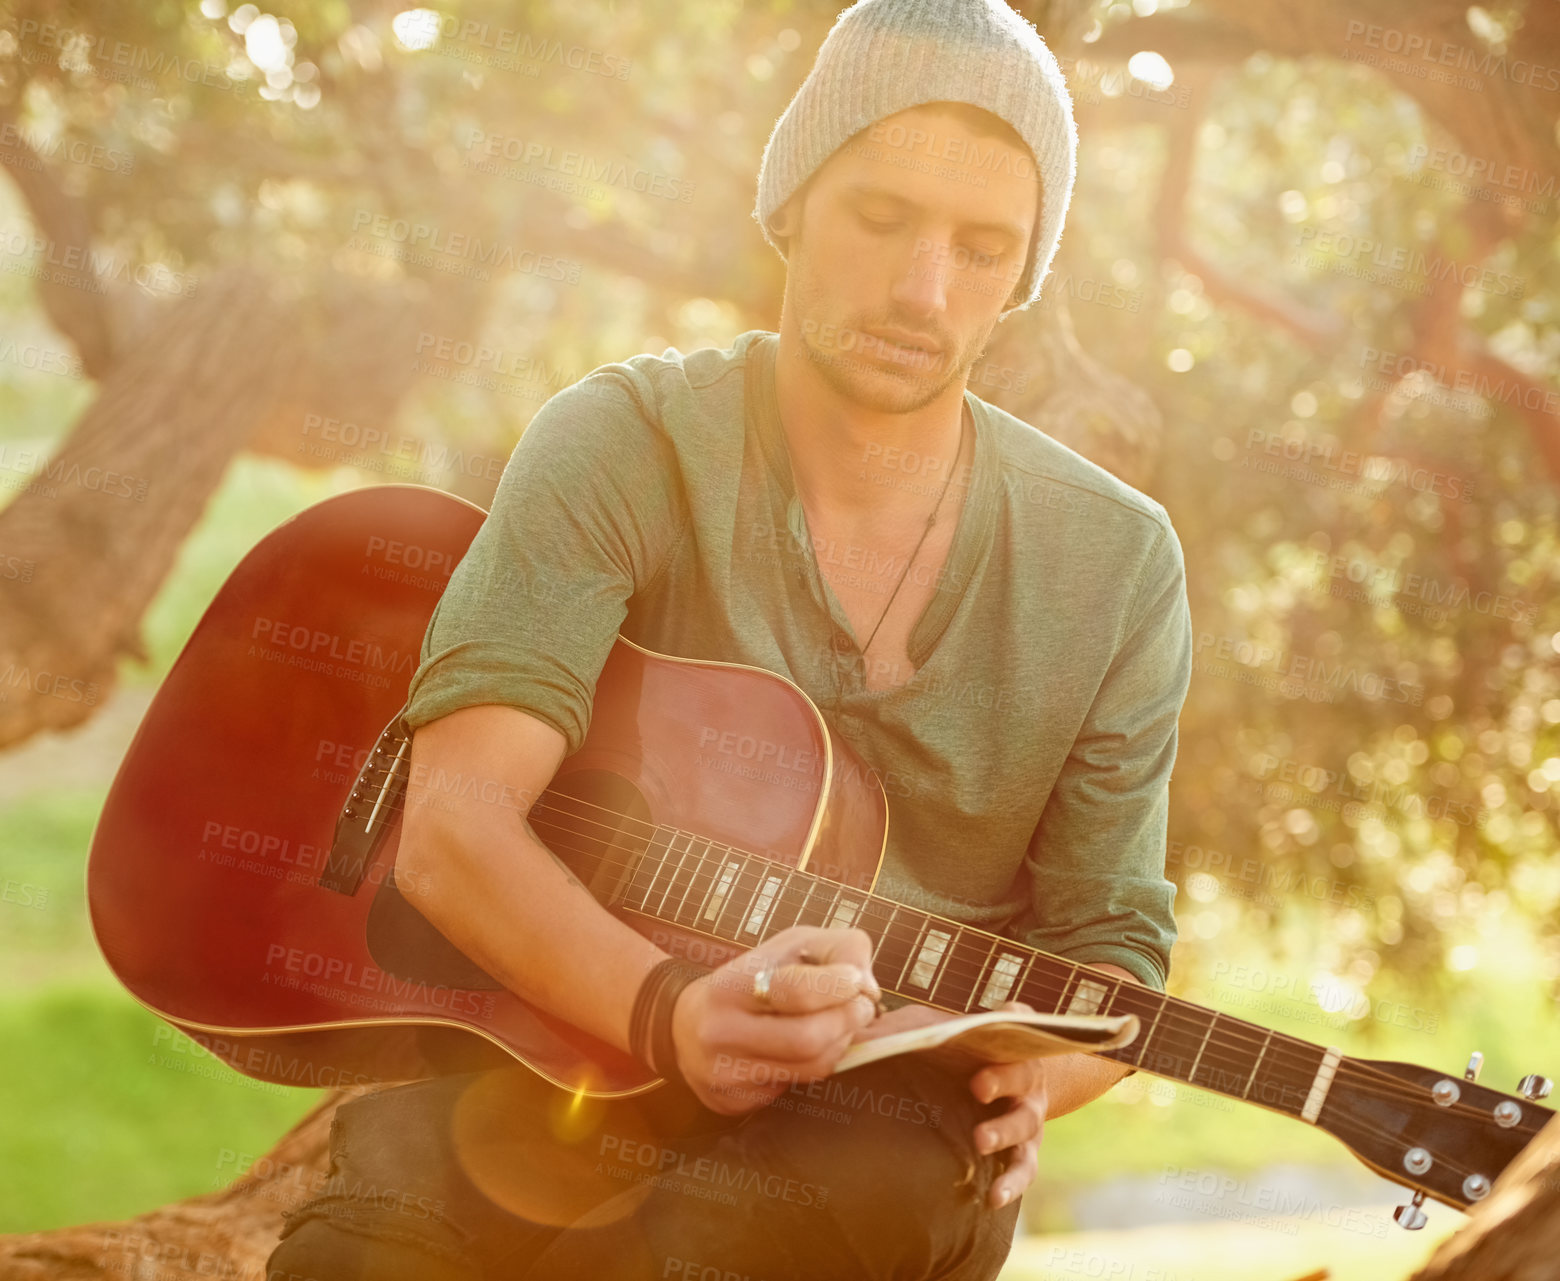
[222, 1234]
[1514, 1234]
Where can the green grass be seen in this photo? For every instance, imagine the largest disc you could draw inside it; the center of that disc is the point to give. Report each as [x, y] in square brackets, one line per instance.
[110, 1113]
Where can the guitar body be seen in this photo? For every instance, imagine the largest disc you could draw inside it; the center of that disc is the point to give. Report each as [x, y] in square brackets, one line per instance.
[215, 880]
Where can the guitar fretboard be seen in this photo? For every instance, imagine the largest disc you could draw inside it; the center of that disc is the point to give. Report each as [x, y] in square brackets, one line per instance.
[727, 893]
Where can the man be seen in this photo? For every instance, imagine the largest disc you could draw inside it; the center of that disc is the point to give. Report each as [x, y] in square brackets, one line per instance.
[998, 626]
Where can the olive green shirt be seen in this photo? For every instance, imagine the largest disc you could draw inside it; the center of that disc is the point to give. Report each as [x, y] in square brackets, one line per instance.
[1026, 762]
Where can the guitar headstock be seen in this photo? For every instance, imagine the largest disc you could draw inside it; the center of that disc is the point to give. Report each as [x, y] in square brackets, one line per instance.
[1436, 1131]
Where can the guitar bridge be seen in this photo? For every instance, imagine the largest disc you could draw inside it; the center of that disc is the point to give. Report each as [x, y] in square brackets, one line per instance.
[369, 808]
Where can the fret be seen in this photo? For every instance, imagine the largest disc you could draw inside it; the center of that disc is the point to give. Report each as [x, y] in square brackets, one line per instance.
[645, 869]
[1087, 996]
[1132, 998]
[777, 918]
[657, 873]
[815, 906]
[701, 885]
[693, 876]
[955, 982]
[930, 953]
[769, 886]
[994, 986]
[1002, 982]
[1042, 977]
[720, 891]
[1192, 1075]
[1265, 1040]
[891, 949]
[912, 953]
[847, 907]
[1175, 1047]
[1062, 999]
[744, 890]
[682, 855]
[1158, 1014]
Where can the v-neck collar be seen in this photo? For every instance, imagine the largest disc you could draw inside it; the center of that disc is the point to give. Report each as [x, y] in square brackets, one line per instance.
[970, 537]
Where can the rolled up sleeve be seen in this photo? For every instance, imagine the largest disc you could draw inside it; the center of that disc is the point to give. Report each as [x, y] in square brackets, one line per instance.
[1097, 858]
[584, 515]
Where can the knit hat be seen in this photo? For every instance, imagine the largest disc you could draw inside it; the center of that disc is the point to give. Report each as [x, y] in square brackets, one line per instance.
[883, 56]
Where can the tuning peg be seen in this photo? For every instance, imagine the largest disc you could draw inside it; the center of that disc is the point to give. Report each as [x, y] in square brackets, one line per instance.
[1534, 1087]
[1410, 1217]
[1475, 1062]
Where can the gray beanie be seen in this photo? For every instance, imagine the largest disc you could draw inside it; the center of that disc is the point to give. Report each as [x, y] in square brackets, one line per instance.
[883, 56]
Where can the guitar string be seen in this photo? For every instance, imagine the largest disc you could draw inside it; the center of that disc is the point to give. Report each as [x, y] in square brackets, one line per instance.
[1299, 1052]
[1361, 1078]
[1393, 1090]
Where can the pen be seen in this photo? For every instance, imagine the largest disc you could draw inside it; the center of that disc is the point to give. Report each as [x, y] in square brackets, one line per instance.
[807, 958]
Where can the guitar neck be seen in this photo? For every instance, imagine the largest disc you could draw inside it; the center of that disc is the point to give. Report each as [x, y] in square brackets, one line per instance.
[742, 898]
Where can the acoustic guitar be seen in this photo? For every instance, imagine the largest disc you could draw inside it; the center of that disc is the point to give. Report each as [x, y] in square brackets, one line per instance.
[242, 881]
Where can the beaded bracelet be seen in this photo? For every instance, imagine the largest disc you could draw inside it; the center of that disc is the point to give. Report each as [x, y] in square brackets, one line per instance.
[650, 1023]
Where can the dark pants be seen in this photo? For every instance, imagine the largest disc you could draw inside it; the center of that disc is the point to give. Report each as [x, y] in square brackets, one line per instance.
[870, 1174]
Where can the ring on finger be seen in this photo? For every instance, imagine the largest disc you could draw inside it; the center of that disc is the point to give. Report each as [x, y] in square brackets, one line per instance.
[761, 982]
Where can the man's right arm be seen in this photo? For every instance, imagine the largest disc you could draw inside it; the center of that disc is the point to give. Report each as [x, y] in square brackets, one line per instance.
[480, 875]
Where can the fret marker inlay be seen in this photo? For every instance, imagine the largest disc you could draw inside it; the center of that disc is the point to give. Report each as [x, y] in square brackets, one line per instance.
[844, 913]
[1088, 998]
[930, 957]
[755, 921]
[1003, 976]
[718, 898]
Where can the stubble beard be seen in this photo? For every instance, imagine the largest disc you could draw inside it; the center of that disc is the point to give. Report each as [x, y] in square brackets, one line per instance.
[871, 382]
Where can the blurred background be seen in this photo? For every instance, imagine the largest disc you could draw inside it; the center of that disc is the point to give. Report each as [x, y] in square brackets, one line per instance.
[1308, 297]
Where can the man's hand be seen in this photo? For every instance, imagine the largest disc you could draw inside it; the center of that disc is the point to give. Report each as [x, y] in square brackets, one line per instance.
[737, 1053]
[1021, 1126]
[1040, 1088]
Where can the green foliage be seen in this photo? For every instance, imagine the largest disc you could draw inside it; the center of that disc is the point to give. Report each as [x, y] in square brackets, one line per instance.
[90, 1081]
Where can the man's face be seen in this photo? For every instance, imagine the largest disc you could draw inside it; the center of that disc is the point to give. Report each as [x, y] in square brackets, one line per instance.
[907, 244]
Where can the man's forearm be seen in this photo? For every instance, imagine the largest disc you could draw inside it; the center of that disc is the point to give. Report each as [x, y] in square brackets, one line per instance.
[1071, 1080]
